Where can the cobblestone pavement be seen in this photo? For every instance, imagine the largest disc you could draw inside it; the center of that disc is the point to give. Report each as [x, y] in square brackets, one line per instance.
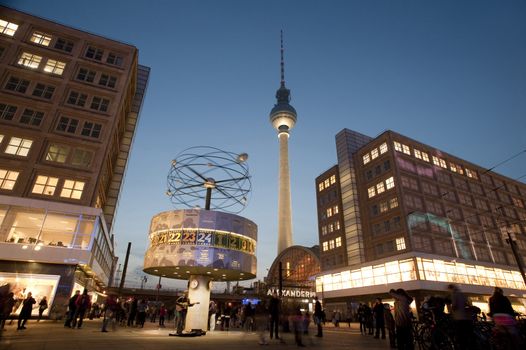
[48, 335]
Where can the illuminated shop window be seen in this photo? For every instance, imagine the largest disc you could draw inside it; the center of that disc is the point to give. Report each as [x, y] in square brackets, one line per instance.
[18, 146]
[320, 187]
[338, 241]
[366, 158]
[380, 188]
[398, 146]
[29, 60]
[389, 183]
[374, 153]
[8, 28]
[325, 246]
[417, 153]
[425, 156]
[400, 243]
[57, 153]
[406, 149]
[371, 191]
[383, 148]
[8, 179]
[331, 244]
[333, 179]
[45, 185]
[41, 38]
[54, 67]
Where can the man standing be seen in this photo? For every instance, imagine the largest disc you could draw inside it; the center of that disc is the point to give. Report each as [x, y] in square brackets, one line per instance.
[25, 313]
[403, 319]
[274, 315]
[181, 308]
[378, 311]
[72, 309]
[318, 317]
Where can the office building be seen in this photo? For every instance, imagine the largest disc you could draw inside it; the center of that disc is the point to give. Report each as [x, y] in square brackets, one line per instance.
[397, 213]
[69, 107]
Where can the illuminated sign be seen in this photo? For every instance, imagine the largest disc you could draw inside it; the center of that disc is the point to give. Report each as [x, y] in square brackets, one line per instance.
[203, 237]
[292, 293]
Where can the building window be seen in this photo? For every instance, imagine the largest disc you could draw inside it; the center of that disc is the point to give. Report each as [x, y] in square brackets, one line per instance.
[86, 75]
[383, 148]
[72, 189]
[44, 91]
[326, 183]
[81, 157]
[7, 112]
[8, 28]
[335, 209]
[398, 146]
[443, 163]
[331, 244]
[68, 125]
[371, 192]
[29, 60]
[54, 67]
[384, 207]
[366, 158]
[329, 212]
[64, 45]
[18, 85]
[325, 246]
[337, 225]
[425, 156]
[324, 230]
[320, 187]
[417, 153]
[114, 59]
[94, 53]
[108, 81]
[374, 153]
[331, 227]
[400, 243]
[380, 188]
[100, 104]
[333, 179]
[471, 174]
[41, 38]
[57, 153]
[436, 161]
[91, 129]
[18, 146]
[406, 149]
[389, 183]
[77, 99]
[338, 241]
[8, 179]
[31, 117]
[45, 185]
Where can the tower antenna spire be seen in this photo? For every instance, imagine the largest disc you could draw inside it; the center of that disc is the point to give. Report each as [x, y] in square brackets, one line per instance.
[282, 62]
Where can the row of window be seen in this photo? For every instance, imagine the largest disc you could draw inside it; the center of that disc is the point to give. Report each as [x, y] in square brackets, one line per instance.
[44, 91]
[44, 39]
[44, 185]
[330, 228]
[28, 117]
[331, 244]
[90, 76]
[327, 182]
[33, 61]
[381, 187]
[400, 147]
[55, 153]
[374, 153]
[332, 211]
[384, 206]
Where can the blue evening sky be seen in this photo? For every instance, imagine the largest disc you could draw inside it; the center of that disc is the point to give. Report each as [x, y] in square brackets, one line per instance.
[451, 74]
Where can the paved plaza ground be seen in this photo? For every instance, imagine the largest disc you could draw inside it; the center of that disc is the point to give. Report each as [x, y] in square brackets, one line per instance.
[49, 335]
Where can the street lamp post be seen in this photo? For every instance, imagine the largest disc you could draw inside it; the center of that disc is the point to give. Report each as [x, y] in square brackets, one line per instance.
[511, 240]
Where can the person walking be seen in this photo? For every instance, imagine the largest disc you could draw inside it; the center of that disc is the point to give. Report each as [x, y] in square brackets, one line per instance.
[378, 311]
[25, 313]
[142, 306]
[111, 308]
[463, 325]
[274, 310]
[502, 313]
[6, 308]
[212, 311]
[403, 319]
[162, 315]
[361, 318]
[72, 309]
[83, 303]
[318, 317]
[133, 312]
[42, 306]
[390, 325]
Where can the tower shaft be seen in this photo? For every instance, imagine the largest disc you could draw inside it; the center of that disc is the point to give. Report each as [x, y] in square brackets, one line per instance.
[284, 199]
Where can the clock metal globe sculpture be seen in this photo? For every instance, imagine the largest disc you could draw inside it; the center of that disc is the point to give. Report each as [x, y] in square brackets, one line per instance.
[204, 245]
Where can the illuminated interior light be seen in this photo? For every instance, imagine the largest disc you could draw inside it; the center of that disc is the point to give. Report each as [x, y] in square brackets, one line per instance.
[24, 246]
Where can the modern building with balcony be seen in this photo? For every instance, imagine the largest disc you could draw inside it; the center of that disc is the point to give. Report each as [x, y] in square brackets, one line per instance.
[397, 213]
[69, 106]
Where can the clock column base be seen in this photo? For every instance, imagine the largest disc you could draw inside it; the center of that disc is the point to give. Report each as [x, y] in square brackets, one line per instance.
[198, 292]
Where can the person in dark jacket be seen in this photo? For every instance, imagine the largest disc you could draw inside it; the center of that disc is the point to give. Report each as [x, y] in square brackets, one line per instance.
[378, 311]
[273, 310]
[83, 304]
[403, 319]
[6, 307]
[318, 317]
[42, 306]
[72, 308]
[25, 313]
